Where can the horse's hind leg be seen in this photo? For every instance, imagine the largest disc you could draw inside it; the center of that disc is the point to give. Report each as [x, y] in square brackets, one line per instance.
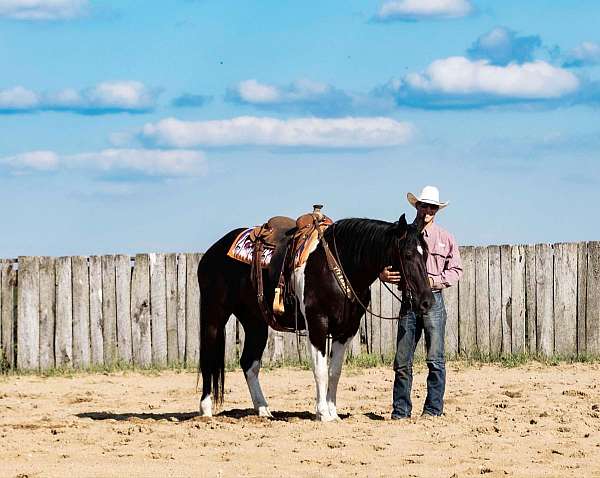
[335, 370]
[255, 341]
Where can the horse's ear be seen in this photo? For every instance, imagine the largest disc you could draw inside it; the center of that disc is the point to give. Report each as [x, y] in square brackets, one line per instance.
[402, 224]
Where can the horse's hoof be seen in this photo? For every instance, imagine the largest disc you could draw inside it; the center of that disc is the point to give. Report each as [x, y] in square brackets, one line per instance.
[324, 417]
[264, 412]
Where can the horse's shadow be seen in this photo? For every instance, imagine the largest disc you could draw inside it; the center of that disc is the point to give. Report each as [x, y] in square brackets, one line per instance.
[235, 413]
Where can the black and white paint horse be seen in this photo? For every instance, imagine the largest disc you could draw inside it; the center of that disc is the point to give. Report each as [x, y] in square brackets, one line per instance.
[363, 247]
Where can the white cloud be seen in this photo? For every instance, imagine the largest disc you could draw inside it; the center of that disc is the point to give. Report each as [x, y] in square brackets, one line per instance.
[348, 132]
[128, 95]
[251, 91]
[424, 9]
[43, 9]
[587, 53]
[106, 97]
[18, 98]
[461, 76]
[32, 160]
[173, 163]
[254, 92]
[301, 96]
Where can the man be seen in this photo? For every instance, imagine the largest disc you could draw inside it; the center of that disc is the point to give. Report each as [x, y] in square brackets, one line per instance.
[444, 270]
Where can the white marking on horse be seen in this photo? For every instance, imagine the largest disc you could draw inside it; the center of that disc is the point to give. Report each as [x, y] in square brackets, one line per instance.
[206, 406]
[335, 370]
[319, 360]
[258, 399]
[420, 249]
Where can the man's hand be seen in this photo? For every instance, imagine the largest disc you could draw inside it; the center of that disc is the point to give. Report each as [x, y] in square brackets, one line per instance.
[388, 275]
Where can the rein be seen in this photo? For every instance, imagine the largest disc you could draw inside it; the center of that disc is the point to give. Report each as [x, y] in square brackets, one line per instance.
[351, 289]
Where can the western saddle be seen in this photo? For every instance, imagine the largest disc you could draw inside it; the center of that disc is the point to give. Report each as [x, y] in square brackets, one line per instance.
[291, 242]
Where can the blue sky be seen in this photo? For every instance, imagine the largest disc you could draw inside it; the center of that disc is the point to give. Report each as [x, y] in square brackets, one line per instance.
[140, 126]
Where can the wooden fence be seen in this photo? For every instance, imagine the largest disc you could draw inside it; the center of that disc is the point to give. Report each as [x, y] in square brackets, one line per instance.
[84, 312]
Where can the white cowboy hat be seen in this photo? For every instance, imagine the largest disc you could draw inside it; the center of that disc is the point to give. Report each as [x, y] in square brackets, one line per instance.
[429, 195]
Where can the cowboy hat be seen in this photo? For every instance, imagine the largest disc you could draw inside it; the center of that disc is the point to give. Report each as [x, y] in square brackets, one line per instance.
[429, 195]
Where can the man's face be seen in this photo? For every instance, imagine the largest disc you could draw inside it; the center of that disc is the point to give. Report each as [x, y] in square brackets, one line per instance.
[427, 211]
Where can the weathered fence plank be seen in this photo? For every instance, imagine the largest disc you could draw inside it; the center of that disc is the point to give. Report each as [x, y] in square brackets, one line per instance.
[530, 300]
[582, 261]
[158, 308]
[192, 311]
[109, 310]
[171, 291]
[495, 293]
[96, 319]
[593, 299]
[63, 343]
[231, 355]
[123, 295]
[451, 303]
[9, 301]
[290, 349]
[3, 352]
[565, 299]
[181, 305]
[482, 300]
[354, 349]
[81, 312]
[518, 304]
[467, 324]
[47, 312]
[388, 327]
[140, 311]
[544, 296]
[28, 314]
[374, 322]
[506, 298]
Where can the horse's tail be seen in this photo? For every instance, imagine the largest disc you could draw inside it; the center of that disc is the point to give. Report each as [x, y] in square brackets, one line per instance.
[212, 345]
[212, 362]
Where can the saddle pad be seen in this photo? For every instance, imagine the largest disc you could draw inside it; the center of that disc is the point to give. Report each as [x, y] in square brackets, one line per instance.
[242, 248]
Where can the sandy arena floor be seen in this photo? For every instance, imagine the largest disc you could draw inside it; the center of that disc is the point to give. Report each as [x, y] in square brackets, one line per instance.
[533, 420]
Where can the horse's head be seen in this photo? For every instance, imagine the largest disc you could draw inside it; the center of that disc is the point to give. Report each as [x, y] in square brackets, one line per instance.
[410, 258]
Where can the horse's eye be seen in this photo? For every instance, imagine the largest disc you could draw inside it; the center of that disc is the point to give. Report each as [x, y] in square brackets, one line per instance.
[420, 250]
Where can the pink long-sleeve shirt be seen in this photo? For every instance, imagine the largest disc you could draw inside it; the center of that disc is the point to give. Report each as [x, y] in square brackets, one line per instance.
[443, 262]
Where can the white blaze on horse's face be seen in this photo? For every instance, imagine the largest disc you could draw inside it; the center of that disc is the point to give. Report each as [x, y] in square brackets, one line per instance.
[420, 249]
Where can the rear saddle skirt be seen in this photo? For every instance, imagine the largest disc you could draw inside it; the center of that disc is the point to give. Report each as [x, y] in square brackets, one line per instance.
[278, 247]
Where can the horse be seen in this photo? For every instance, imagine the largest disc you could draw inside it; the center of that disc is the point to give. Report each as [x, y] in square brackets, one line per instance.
[362, 248]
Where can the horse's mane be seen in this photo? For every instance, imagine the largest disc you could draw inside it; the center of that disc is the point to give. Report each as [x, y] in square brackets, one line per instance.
[361, 241]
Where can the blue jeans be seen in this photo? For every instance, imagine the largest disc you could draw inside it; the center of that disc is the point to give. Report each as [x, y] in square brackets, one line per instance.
[410, 327]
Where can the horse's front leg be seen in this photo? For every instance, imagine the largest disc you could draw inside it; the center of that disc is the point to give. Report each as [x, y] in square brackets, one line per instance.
[319, 366]
[335, 370]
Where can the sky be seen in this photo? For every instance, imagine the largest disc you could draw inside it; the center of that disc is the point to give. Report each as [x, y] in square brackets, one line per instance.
[145, 126]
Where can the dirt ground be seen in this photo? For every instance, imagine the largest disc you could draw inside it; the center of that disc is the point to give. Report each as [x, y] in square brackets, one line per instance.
[533, 420]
